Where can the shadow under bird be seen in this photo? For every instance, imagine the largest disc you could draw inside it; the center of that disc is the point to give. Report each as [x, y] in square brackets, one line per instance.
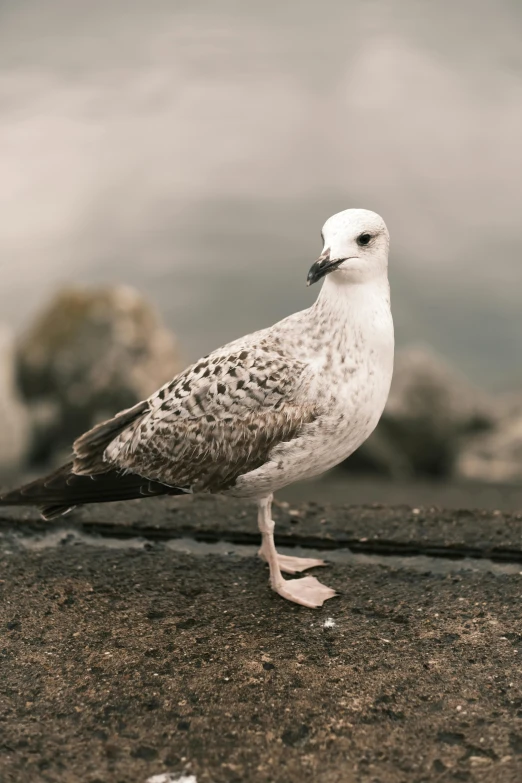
[280, 405]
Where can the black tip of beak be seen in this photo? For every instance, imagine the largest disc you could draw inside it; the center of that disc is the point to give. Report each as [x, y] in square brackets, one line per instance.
[317, 270]
[323, 266]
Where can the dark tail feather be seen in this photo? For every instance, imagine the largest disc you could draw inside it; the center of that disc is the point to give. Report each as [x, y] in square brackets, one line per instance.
[87, 480]
[62, 490]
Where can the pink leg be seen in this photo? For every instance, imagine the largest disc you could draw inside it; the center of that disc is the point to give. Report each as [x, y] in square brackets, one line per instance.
[307, 591]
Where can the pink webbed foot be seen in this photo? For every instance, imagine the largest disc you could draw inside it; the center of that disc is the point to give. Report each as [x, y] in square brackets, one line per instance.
[294, 565]
[307, 591]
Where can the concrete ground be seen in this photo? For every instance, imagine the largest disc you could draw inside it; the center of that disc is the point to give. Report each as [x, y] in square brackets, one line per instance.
[142, 639]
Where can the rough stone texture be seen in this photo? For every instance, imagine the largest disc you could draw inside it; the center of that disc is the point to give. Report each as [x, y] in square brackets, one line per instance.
[496, 456]
[91, 353]
[122, 664]
[431, 409]
[14, 420]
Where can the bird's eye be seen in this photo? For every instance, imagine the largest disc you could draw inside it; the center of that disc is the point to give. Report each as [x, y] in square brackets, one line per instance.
[363, 239]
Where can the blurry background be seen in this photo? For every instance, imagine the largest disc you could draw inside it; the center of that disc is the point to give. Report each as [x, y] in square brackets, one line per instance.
[193, 150]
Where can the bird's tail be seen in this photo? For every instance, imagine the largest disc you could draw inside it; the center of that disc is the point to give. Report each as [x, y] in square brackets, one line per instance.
[88, 478]
[60, 491]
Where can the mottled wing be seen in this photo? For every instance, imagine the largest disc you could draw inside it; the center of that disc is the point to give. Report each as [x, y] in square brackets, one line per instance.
[216, 421]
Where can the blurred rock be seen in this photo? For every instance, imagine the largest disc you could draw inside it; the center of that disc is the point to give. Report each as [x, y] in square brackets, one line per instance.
[87, 356]
[14, 419]
[496, 456]
[431, 409]
[381, 456]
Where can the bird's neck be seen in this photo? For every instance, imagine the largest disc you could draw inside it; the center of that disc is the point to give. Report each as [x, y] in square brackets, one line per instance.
[346, 316]
[346, 303]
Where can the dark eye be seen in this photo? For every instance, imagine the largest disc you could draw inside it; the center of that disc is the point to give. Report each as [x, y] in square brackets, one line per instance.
[363, 239]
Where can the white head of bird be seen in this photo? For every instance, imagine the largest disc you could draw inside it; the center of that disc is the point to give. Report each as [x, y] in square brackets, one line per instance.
[355, 250]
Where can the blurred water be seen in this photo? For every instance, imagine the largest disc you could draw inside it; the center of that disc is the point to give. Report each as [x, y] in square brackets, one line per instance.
[194, 150]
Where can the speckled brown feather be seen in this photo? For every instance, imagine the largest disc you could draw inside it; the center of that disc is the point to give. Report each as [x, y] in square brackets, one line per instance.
[215, 421]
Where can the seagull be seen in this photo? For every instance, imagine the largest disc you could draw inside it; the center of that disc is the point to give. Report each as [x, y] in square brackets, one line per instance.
[280, 405]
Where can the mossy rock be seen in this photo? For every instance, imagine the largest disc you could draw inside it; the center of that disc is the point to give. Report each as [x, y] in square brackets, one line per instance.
[90, 353]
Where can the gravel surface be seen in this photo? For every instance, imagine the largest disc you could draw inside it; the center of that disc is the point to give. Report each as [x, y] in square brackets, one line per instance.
[126, 660]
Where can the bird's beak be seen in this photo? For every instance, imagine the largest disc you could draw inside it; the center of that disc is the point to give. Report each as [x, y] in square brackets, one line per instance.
[322, 267]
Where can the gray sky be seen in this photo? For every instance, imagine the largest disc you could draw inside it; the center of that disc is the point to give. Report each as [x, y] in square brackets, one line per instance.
[195, 149]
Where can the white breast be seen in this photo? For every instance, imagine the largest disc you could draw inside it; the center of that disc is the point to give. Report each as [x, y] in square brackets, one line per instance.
[351, 353]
